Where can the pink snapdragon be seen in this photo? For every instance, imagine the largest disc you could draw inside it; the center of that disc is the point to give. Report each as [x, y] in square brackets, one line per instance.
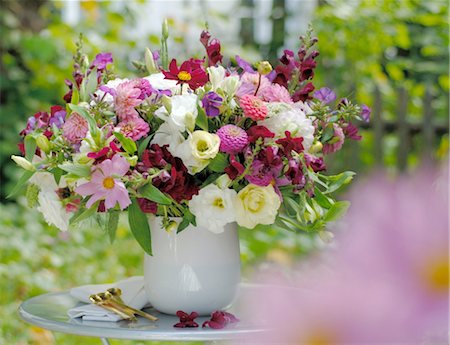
[106, 185]
[127, 97]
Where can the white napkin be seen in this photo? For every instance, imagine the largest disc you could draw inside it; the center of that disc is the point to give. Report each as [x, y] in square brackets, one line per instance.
[133, 294]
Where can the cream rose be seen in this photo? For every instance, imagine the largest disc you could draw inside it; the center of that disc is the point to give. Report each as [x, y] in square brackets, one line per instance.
[256, 205]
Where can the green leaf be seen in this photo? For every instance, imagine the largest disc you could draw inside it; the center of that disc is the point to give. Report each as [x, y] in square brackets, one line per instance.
[128, 144]
[139, 226]
[143, 145]
[113, 222]
[75, 96]
[76, 169]
[322, 199]
[22, 180]
[328, 133]
[152, 193]
[218, 163]
[336, 211]
[337, 181]
[83, 112]
[202, 119]
[91, 84]
[57, 174]
[84, 213]
[30, 147]
[188, 218]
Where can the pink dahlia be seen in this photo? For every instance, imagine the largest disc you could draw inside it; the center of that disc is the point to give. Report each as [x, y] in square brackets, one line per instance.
[232, 139]
[106, 185]
[75, 128]
[134, 128]
[126, 99]
[276, 93]
[253, 107]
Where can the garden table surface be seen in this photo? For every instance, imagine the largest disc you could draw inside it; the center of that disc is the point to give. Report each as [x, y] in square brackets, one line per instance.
[49, 311]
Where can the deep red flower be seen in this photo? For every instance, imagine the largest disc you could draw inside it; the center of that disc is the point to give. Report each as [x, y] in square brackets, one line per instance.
[351, 131]
[303, 93]
[290, 144]
[256, 132]
[212, 48]
[315, 163]
[234, 169]
[105, 153]
[219, 319]
[186, 320]
[191, 72]
[147, 206]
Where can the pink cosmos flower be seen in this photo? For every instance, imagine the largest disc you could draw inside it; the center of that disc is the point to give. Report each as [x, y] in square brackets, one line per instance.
[232, 139]
[106, 185]
[253, 107]
[276, 93]
[126, 99]
[134, 128]
[75, 128]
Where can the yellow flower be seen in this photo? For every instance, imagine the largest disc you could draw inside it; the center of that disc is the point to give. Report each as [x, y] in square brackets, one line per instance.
[204, 145]
[257, 205]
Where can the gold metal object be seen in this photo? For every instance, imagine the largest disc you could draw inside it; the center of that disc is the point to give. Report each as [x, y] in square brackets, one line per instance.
[115, 293]
[99, 300]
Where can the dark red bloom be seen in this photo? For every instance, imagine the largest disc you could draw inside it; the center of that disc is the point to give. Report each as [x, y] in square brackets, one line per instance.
[147, 206]
[212, 48]
[303, 94]
[234, 169]
[174, 178]
[315, 163]
[256, 132]
[351, 131]
[290, 144]
[219, 319]
[191, 72]
[186, 320]
[105, 153]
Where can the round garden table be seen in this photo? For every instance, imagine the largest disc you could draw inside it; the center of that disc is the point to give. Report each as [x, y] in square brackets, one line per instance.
[49, 311]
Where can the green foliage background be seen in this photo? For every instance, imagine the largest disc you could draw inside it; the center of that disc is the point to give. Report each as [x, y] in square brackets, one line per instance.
[363, 44]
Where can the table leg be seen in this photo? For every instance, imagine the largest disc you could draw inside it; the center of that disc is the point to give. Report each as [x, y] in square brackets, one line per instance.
[104, 341]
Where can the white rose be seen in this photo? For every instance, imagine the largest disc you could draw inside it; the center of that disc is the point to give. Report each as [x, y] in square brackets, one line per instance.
[284, 117]
[213, 208]
[256, 205]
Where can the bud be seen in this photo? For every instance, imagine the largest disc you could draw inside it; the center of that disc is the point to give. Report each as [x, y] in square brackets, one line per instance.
[264, 67]
[167, 103]
[84, 63]
[43, 143]
[326, 236]
[190, 122]
[223, 181]
[132, 160]
[316, 147]
[171, 226]
[32, 195]
[23, 163]
[165, 29]
[150, 62]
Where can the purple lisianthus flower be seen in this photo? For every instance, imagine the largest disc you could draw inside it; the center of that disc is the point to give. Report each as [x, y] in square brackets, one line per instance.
[325, 95]
[365, 113]
[109, 90]
[101, 60]
[211, 103]
[246, 66]
[57, 118]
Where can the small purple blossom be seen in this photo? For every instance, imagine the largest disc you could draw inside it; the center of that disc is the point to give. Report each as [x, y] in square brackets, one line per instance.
[325, 95]
[57, 118]
[365, 113]
[186, 320]
[211, 103]
[219, 319]
[101, 60]
[244, 65]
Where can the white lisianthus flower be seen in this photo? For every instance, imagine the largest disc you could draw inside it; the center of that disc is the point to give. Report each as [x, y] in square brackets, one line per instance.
[284, 117]
[158, 81]
[218, 80]
[49, 203]
[213, 207]
[183, 112]
[168, 135]
[197, 150]
[256, 205]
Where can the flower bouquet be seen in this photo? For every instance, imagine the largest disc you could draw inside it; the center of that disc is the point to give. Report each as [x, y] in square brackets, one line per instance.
[199, 143]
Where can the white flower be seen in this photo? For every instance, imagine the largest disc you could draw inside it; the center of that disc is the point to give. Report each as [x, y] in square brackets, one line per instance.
[49, 203]
[290, 117]
[218, 80]
[159, 82]
[183, 112]
[23, 163]
[197, 150]
[256, 205]
[168, 135]
[213, 208]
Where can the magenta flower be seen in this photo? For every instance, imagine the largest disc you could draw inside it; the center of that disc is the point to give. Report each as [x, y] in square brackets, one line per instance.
[126, 99]
[365, 113]
[101, 60]
[335, 144]
[186, 320]
[233, 139]
[75, 128]
[134, 128]
[106, 185]
[219, 319]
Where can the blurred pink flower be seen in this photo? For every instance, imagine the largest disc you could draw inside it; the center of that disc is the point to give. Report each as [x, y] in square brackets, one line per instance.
[126, 99]
[106, 185]
[249, 84]
[75, 128]
[335, 144]
[134, 128]
[276, 93]
[388, 278]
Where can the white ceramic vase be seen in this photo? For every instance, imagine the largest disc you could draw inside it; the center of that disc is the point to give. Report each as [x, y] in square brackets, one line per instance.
[194, 270]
